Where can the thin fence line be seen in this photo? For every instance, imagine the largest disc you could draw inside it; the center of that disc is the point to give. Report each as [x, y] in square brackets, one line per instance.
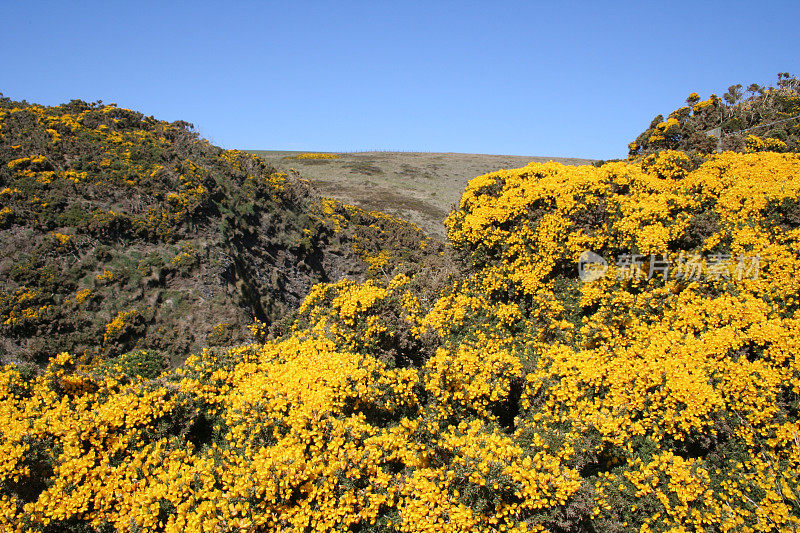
[765, 125]
[712, 130]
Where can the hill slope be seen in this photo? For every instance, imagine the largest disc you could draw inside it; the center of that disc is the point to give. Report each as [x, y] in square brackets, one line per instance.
[122, 232]
[416, 186]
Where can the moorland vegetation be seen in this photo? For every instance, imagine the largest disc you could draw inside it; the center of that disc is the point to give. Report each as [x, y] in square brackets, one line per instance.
[492, 388]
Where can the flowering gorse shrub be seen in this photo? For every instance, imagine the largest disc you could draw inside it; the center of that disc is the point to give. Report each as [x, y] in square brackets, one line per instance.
[314, 155]
[675, 399]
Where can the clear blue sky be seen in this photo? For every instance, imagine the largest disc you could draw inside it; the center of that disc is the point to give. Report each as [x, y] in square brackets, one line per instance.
[577, 79]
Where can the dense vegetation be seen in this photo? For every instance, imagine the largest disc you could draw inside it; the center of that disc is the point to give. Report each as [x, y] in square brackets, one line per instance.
[753, 120]
[507, 394]
[121, 232]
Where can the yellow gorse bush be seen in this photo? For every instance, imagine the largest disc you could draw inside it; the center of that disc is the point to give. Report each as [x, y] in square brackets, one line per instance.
[767, 144]
[520, 398]
[314, 155]
[119, 323]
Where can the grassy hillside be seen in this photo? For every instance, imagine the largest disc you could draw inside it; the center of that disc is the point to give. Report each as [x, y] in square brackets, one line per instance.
[121, 232]
[415, 186]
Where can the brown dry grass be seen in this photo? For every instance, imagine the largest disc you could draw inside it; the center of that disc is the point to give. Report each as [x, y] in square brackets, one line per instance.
[418, 186]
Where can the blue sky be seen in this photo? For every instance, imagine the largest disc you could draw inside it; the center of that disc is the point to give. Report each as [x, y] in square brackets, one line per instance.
[578, 79]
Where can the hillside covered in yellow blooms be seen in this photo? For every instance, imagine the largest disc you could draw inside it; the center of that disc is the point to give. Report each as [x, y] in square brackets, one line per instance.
[598, 348]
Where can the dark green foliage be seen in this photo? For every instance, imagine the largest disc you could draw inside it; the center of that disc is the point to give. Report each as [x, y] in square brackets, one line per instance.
[145, 363]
